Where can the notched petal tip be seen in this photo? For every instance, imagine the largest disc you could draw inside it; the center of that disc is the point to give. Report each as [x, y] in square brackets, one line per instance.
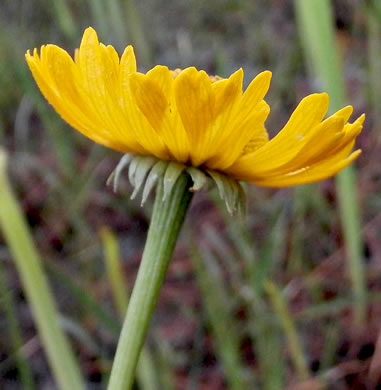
[202, 73]
[31, 57]
[257, 89]
[356, 127]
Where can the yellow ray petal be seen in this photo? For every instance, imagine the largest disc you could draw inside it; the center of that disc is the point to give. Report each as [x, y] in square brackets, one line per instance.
[153, 94]
[240, 126]
[309, 112]
[111, 61]
[319, 171]
[344, 113]
[91, 79]
[249, 129]
[143, 132]
[255, 92]
[91, 76]
[150, 99]
[226, 92]
[351, 131]
[323, 138]
[137, 124]
[260, 138]
[288, 142]
[195, 103]
[330, 138]
[326, 152]
[95, 85]
[190, 117]
[127, 66]
[54, 77]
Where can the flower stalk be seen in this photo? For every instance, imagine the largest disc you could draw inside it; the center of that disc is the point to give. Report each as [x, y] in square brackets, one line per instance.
[167, 219]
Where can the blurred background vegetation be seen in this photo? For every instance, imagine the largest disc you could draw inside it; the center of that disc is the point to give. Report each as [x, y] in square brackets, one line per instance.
[289, 299]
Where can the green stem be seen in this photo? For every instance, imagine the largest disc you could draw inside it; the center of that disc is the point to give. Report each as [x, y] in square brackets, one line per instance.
[167, 219]
[40, 297]
[145, 370]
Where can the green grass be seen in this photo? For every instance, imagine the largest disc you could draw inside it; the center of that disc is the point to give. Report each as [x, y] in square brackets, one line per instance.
[40, 297]
[15, 334]
[322, 53]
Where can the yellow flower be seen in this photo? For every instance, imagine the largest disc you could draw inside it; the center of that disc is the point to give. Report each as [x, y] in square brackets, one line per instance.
[192, 118]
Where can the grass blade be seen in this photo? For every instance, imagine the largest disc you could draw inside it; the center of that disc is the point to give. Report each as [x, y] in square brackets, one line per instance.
[84, 299]
[315, 21]
[65, 19]
[216, 303]
[114, 270]
[98, 11]
[29, 266]
[15, 334]
[117, 19]
[136, 32]
[287, 323]
[258, 264]
[374, 59]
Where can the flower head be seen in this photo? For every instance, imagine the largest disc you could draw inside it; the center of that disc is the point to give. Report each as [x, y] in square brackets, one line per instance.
[196, 120]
